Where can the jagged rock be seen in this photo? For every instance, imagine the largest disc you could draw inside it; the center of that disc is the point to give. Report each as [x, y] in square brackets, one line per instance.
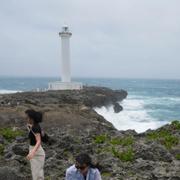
[2, 140]
[8, 155]
[7, 173]
[153, 152]
[117, 107]
[20, 149]
[74, 126]
[20, 139]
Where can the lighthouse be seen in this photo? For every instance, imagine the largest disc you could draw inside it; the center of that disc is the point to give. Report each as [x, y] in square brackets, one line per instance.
[65, 83]
[65, 54]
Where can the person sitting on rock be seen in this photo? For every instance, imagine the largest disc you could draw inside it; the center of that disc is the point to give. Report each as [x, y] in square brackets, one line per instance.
[36, 154]
[83, 169]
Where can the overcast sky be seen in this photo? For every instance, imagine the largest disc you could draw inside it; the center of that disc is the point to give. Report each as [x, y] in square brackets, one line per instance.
[111, 38]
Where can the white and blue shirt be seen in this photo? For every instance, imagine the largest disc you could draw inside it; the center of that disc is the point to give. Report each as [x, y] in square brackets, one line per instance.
[72, 173]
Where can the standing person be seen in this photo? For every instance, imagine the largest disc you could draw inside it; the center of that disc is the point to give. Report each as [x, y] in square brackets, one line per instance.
[36, 154]
[83, 169]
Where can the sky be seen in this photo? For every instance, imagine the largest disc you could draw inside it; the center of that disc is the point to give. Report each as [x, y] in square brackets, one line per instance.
[117, 38]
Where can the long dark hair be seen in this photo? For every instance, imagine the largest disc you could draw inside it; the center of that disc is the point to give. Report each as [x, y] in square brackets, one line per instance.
[86, 159]
[36, 116]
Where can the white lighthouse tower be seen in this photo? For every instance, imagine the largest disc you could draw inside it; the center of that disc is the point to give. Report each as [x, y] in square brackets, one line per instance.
[65, 54]
[65, 83]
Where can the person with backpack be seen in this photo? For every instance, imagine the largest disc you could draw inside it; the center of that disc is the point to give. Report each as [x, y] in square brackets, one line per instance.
[83, 169]
[36, 154]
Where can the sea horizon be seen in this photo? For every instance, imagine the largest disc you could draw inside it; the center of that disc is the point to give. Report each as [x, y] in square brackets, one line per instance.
[83, 77]
[150, 103]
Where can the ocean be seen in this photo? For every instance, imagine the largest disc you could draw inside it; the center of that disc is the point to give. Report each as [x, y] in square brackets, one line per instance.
[150, 103]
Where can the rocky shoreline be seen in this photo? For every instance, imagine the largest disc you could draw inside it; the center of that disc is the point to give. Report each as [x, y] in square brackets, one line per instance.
[74, 126]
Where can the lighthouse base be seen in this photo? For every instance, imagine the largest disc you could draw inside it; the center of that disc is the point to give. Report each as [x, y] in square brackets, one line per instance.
[65, 86]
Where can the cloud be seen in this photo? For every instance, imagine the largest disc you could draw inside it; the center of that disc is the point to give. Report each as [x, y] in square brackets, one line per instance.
[119, 38]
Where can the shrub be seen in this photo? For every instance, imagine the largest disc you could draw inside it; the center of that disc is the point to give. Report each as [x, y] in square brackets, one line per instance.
[176, 124]
[9, 133]
[170, 141]
[106, 174]
[127, 141]
[158, 134]
[164, 137]
[177, 156]
[101, 139]
[126, 155]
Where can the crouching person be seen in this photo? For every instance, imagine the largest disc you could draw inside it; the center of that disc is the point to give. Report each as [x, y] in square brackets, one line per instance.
[83, 169]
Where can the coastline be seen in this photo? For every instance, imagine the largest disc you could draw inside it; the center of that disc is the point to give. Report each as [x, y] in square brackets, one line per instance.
[74, 125]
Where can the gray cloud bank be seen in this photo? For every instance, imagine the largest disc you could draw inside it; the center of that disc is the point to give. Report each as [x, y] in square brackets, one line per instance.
[118, 38]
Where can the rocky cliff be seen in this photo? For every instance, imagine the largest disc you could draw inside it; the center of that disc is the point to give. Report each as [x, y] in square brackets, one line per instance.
[74, 127]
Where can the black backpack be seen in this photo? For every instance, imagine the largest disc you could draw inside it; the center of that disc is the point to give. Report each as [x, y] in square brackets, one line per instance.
[44, 137]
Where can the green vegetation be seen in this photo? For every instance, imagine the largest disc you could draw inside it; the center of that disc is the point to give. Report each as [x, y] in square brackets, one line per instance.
[176, 124]
[106, 174]
[126, 155]
[164, 137]
[112, 144]
[158, 134]
[127, 141]
[9, 133]
[48, 178]
[170, 141]
[177, 156]
[1, 149]
[100, 139]
[67, 154]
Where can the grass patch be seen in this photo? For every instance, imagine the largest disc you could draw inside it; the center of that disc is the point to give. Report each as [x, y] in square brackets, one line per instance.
[112, 147]
[158, 134]
[100, 139]
[170, 141]
[10, 134]
[106, 174]
[1, 149]
[177, 156]
[127, 141]
[176, 124]
[164, 137]
[125, 156]
[48, 178]
[67, 154]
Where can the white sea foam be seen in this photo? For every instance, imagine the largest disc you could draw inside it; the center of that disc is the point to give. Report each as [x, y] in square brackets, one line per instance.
[172, 99]
[134, 116]
[4, 91]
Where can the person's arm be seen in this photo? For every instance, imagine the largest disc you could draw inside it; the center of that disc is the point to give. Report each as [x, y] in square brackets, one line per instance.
[38, 143]
[37, 134]
[97, 175]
